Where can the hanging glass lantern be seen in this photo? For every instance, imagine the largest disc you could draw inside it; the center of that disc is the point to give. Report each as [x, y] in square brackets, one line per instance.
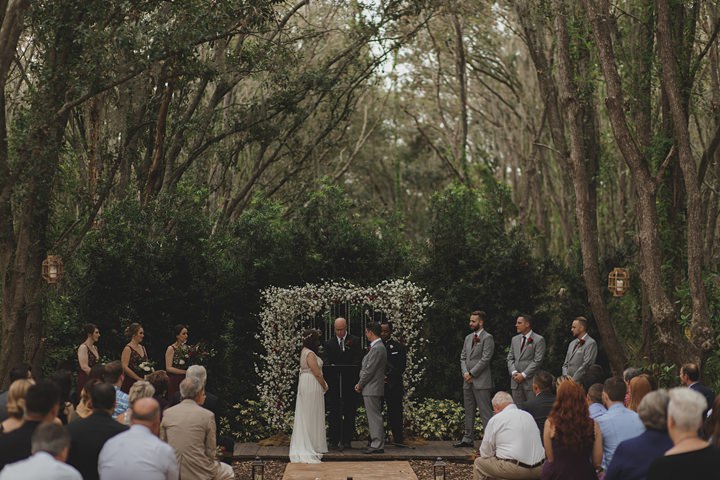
[52, 269]
[619, 281]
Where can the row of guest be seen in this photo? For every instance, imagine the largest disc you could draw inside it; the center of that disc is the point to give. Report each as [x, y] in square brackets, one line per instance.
[656, 443]
[100, 446]
[133, 357]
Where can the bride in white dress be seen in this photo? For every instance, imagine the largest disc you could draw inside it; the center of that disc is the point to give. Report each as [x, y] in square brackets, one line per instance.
[308, 442]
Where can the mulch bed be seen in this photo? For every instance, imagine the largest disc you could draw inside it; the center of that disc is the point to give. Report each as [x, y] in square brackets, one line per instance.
[274, 470]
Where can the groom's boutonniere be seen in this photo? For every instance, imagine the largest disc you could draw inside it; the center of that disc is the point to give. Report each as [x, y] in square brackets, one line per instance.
[529, 341]
[582, 342]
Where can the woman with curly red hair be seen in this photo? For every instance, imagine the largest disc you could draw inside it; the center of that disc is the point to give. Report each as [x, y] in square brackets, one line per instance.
[573, 442]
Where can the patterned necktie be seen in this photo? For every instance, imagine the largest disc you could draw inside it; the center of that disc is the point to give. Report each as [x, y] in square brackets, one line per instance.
[342, 344]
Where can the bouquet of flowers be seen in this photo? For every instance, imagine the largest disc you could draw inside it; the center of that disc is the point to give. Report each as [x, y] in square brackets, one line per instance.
[181, 357]
[200, 353]
[147, 367]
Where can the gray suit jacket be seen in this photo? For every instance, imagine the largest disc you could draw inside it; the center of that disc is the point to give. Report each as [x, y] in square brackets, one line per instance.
[476, 360]
[577, 360]
[372, 371]
[528, 360]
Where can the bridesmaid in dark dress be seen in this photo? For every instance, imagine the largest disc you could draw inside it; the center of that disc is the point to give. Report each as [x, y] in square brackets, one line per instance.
[88, 356]
[175, 363]
[133, 355]
[573, 442]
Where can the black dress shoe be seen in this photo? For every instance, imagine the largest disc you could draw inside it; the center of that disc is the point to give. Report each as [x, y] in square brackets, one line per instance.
[463, 445]
[373, 450]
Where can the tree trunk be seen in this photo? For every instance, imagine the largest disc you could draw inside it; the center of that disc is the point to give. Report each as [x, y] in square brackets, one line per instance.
[670, 334]
[581, 122]
[701, 331]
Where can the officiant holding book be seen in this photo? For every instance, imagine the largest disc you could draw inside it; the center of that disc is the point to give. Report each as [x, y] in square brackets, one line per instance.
[342, 356]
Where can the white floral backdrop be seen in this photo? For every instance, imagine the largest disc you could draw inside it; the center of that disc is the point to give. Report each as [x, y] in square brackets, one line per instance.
[287, 311]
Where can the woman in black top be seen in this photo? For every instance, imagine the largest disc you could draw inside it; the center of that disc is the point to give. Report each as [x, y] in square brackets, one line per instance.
[691, 456]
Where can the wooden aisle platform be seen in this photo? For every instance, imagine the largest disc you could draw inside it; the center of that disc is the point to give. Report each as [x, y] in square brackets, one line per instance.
[445, 450]
[356, 470]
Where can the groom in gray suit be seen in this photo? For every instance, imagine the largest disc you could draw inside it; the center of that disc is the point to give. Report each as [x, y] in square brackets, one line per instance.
[372, 386]
[581, 352]
[527, 350]
[475, 358]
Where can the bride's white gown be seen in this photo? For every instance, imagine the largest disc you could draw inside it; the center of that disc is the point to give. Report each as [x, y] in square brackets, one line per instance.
[308, 442]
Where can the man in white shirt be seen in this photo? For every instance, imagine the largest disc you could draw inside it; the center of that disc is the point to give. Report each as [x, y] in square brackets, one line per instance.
[511, 447]
[138, 452]
[50, 447]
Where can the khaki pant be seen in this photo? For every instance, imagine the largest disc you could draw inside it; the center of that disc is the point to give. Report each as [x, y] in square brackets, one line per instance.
[490, 468]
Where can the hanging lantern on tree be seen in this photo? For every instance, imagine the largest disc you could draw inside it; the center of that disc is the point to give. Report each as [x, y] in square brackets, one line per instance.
[52, 269]
[619, 281]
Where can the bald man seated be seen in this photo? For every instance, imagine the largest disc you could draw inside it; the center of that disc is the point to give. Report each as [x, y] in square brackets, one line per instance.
[138, 452]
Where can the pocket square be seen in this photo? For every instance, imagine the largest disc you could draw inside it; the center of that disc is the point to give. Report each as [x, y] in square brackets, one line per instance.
[394, 353]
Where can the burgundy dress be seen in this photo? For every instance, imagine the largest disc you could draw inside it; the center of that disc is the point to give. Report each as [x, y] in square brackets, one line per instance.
[134, 364]
[569, 464]
[174, 379]
[82, 376]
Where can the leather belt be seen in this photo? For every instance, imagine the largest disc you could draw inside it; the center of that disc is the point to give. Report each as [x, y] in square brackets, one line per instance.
[521, 464]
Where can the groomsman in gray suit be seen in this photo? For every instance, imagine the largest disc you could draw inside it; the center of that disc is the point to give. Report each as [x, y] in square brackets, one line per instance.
[581, 352]
[475, 360]
[527, 351]
[372, 386]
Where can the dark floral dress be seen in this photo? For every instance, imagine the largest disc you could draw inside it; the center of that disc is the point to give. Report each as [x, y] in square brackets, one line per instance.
[82, 376]
[174, 379]
[134, 364]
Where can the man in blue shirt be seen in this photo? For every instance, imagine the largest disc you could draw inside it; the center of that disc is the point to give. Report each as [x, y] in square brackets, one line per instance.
[595, 400]
[633, 457]
[114, 375]
[619, 423]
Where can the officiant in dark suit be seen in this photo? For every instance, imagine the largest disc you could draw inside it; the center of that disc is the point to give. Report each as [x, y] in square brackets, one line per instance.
[342, 356]
[394, 390]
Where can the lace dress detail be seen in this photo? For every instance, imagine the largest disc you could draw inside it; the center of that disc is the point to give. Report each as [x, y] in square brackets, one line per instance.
[308, 442]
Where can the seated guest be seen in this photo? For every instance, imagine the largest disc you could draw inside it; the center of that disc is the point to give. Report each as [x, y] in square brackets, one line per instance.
[84, 407]
[138, 452]
[41, 405]
[511, 447]
[539, 406]
[114, 375]
[595, 401]
[712, 424]
[628, 374]
[63, 379]
[50, 445]
[639, 387]
[190, 430]
[212, 402]
[21, 372]
[633, 457]
[160, 381]
[573, 442]
[690, 377]
[15, 405]
[595, 374]
[691, 457]
[89, 434]
[618, 423]
[138, 390]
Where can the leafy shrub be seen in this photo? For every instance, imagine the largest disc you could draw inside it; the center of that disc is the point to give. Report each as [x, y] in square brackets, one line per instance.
[434, 419]
[247, 424]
